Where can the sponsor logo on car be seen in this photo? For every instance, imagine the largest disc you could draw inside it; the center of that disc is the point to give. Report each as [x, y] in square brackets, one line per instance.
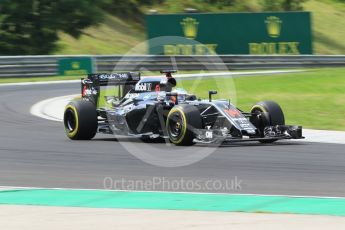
[143, 87]
[131, 95]
[233, 112]
[118, 76]
[88, 92]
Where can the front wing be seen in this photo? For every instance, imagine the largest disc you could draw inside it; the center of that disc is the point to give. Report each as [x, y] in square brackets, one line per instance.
[278, 132]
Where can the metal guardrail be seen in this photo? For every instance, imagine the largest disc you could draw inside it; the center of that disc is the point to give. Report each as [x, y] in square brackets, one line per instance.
[28, 66]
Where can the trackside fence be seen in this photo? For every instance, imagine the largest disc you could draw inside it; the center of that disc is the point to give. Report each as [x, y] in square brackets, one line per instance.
[47, 65]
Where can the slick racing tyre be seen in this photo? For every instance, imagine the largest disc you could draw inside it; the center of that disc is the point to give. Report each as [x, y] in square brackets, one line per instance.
[80, 120]
[181, 122]
[266, 113]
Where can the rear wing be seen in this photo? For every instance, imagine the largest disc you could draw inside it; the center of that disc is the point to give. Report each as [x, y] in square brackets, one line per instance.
[91, 86]
[103, 79]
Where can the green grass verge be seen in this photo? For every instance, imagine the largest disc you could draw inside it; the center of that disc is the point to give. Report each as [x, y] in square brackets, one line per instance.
[113, 36]
[328, 26]
[314, 99]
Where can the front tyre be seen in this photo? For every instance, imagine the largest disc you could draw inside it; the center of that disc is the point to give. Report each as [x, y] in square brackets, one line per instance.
[181, 122]
[266, 113]
[80, 120]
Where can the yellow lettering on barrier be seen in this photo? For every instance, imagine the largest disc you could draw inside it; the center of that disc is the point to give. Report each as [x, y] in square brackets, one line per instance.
[294, 47]
[199, 49]
[271, 48]
[188, 50]
[211, 48]
[274, 48]
[253, 48]
[169, 50]
[282, 47]
[185, 49]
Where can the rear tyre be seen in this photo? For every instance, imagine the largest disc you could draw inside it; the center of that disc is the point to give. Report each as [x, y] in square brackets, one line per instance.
[181, 122]
[266, 113]
[80, 120]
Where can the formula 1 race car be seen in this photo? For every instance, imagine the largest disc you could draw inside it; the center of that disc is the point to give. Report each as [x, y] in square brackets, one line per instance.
[151, 108]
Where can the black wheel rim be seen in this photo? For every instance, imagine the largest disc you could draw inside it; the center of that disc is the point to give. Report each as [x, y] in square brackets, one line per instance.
[175, 126]
[69, 120]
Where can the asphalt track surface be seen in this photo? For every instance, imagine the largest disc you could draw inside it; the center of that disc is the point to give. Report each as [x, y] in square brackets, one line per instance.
[35, 152]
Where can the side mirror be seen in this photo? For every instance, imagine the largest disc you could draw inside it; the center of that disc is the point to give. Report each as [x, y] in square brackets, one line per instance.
[210, 93]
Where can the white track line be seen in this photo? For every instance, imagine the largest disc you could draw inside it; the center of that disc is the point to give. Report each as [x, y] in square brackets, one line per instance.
[40, 83]
[323, 136]
[7, 188]
[53, 109]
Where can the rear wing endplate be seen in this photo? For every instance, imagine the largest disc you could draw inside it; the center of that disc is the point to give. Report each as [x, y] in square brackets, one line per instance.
[91, 86]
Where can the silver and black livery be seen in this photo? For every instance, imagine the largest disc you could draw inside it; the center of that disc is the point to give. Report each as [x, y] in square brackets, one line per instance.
[154, 108]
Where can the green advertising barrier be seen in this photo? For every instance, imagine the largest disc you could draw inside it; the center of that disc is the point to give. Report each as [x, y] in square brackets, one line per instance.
[231, 33]
[75, 66]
